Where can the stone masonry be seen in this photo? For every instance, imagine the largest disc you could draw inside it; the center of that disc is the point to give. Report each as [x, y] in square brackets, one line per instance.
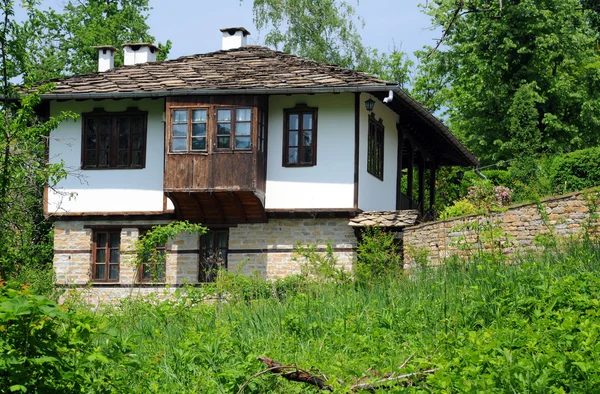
[520, 224]
[265, 249]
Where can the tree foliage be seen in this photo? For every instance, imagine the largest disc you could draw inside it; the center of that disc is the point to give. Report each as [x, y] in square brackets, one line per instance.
[516, 80]
[327, 31]
[60, 43]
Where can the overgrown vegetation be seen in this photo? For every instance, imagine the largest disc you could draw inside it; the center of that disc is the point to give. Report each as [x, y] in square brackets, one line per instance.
[487, 327]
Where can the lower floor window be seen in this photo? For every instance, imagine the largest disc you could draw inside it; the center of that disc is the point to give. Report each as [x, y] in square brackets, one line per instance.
[154, 267]
[106, 255]
[213, 254]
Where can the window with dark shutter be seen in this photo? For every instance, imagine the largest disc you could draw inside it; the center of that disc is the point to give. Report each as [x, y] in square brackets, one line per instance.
[375, 147]
[114, 140]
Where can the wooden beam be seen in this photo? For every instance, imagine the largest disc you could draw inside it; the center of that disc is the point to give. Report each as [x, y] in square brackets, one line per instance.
[410, 180]
[410, 134]
[356, 145]
[217, 205]
[399, 168]
[421, 183]
[194, 196]
[241, 205]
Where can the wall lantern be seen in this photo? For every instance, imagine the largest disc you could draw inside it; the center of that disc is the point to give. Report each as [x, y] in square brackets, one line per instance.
[369, 104]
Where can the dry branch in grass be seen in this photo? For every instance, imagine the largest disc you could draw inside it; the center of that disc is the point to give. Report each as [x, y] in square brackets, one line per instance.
[393, 380]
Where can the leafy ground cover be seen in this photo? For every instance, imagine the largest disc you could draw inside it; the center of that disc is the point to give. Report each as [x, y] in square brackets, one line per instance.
[528, 327]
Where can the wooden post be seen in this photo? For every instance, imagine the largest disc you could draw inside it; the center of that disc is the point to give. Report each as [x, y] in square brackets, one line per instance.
[410, 180]
[432, 171]
[399, 169]
[421, 183]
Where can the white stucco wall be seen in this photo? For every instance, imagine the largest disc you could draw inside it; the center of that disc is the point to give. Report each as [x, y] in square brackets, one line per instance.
[329, 184]
[110, 190]
[374, 194]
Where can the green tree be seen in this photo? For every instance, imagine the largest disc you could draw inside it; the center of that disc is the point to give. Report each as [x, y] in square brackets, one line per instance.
[327, 31]
[517, 80]
[60, 43]
[24, 233]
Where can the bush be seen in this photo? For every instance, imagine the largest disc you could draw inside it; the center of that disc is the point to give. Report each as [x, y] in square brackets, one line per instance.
[576, 170]
[460, 208]
[377, 255]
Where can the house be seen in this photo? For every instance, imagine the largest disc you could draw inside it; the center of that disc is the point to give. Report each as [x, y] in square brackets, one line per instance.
[264, 148]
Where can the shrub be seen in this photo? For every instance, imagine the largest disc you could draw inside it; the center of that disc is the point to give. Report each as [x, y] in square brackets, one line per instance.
[377, 255]
[460, 208]
[576, 170]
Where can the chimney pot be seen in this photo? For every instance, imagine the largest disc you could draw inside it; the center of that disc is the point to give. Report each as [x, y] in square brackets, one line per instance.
[106, 57]
[139, 52]
[234, 37]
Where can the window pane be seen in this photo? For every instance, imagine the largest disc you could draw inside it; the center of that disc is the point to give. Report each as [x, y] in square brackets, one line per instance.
[137, 140]
[242, 142]
[100, 255]
[103, 159]
[180, 116]
[115, 240]
[123, 158]
[223, 142]
[179, 144]
[114, 256]
[114, 271]
[293, 155]
[221, 239]
[100, 271]
[242, 129]
[137, 158]
[199, 115]
[146, 272]
[307, 121]
[307, 138]
[90, 158]
[104, 141]
[293, 141]
[293, 122]
[224, 115]
[199, 130]
[179, 130]
[224, 129]
[244, 114]
[307, 156]
[101, 240]
[199, 143]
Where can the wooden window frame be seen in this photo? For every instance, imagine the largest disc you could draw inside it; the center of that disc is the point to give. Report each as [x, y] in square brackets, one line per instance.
[190, 125]
[375, 147]
[107, 249]
[203, 275]
[299, 110]
[212, 125]
[140, 270]
[115, 118]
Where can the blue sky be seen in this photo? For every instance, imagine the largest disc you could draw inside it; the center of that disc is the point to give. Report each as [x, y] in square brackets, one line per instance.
[193, 25]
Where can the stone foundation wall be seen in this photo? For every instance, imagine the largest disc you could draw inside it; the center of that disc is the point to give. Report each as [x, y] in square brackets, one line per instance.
[565, 215]
[265, 249]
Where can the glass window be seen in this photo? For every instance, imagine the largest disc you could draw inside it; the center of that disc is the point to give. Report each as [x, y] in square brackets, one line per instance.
[300, 137]
[153, 269]
[114, 140]
[106, 256]
[213, 254]
[375, 148]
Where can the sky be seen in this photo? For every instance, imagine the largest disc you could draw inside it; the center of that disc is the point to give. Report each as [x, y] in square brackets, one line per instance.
[193, 25]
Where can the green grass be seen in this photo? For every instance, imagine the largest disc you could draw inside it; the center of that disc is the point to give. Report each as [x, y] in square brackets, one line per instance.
[529, 327]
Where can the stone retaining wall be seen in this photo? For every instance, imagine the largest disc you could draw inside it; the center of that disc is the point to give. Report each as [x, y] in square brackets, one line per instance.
[520, 224]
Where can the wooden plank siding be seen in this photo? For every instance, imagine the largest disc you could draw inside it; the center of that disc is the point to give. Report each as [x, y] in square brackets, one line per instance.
[216, 185]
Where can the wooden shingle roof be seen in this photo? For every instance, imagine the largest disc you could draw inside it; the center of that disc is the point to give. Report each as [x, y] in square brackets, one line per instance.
[249, 67]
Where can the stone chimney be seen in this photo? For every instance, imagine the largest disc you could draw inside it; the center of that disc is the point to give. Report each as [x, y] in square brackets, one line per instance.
[106, 57]
[234, 37]
[136, 53]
